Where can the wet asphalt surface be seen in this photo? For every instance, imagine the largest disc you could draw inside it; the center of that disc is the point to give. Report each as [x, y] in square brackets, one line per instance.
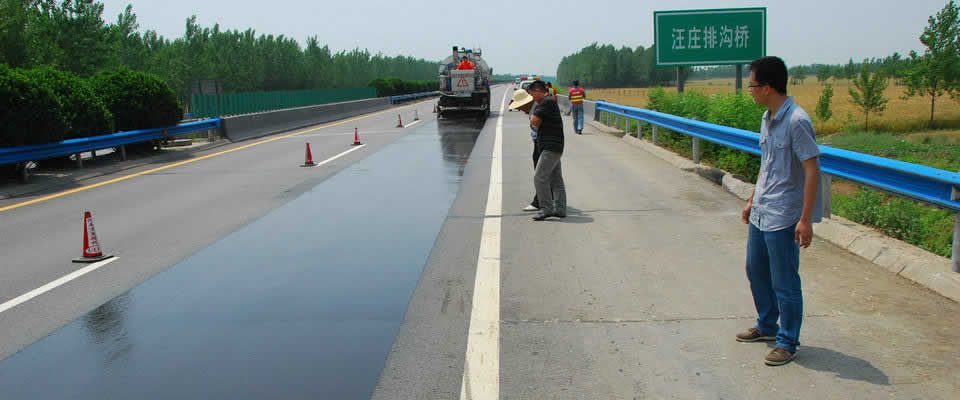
[302, 303]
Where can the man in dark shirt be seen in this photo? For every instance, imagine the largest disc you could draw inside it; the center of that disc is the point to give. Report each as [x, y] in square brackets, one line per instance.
[548, 178]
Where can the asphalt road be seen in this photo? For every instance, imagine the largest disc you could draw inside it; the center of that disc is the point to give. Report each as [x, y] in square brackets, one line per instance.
[636, 294]
[152, 222]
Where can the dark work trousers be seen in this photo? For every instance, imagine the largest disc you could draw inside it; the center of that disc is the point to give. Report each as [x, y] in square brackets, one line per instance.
[548, 179]
[536, 156]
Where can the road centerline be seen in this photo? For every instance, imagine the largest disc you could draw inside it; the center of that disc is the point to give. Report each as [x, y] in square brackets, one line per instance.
[481, 370]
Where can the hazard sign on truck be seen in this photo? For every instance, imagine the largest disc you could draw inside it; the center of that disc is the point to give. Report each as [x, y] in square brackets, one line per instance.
[462, 81]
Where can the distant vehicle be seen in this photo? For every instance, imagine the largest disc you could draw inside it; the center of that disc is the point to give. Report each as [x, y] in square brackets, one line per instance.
[464, 91]
[525, 84]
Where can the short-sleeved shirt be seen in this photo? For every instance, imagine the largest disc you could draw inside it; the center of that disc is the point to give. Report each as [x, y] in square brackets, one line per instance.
[786, 140]
[550, 133]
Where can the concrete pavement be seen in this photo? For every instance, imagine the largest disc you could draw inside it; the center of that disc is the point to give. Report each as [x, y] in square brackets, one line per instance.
[638, 293]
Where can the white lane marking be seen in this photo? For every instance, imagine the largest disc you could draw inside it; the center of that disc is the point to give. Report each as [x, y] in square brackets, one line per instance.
[340, 155]
[481, 369]
[412, 124]
[53, 285]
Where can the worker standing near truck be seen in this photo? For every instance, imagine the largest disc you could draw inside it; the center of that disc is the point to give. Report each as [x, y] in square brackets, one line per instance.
[465, 64]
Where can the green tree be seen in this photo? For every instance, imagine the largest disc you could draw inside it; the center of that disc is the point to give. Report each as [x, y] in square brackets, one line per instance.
[867, 93]
[13, 24]
[935, 72]
[823, 74]
[823, 111]
[69, 35]
[849, 71]
[798, 74]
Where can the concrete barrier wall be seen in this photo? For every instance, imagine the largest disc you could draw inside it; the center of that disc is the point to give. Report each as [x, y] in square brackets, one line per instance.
[250, 126]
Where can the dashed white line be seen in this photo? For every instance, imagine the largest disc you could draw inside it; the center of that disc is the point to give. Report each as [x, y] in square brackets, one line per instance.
[340, 155]
[53, 285]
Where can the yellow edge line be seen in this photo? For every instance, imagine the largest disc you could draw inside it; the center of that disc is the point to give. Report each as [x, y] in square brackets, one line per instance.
[192, 160]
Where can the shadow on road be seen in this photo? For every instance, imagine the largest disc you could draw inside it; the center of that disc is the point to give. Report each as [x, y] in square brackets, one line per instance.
[841, 365]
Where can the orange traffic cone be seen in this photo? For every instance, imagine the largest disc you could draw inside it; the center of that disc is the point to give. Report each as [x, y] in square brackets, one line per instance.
[91, 246]
[399, 121]
[308, 162]
[356, 137]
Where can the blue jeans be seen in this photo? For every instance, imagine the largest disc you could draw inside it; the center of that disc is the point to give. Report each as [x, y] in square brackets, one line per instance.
[577, 111]
[773, 268]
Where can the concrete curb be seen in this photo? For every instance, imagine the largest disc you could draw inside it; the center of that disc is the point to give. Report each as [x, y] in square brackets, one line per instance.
[256, 125]
[920, 266]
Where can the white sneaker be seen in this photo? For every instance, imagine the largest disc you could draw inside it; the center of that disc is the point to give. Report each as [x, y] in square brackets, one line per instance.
[530, 208]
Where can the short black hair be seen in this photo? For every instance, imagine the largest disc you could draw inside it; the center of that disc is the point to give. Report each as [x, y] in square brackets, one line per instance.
[771, 71]
[538, 84]
[576, 83]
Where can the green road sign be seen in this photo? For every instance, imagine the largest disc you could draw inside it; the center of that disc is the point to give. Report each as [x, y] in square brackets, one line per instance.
[710, 37]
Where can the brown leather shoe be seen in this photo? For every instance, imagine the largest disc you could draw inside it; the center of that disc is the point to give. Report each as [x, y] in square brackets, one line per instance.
[754, 335]
[779, 357]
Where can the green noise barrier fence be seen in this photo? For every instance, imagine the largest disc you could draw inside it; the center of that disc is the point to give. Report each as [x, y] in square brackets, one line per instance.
[215, 105]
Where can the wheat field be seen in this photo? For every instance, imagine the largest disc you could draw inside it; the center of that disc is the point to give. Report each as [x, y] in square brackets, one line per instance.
[901, 115]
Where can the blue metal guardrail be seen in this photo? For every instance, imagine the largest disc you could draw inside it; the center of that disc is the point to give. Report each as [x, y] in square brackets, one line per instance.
[931, 185]
[13, 155]
[412, 96]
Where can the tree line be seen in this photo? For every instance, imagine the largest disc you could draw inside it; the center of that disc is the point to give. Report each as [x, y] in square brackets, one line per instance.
[602, 66]
[932, 74]
[72, 35]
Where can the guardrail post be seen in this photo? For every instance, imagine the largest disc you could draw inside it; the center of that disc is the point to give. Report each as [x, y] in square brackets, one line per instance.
[955, 256]
[596, 112]
[826, 184]
[639, 130]
[653, 134]
[123, 153]
[696, 150]
[79, 160]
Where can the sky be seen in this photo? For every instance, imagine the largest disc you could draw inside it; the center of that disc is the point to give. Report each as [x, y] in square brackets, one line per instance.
[519, 37]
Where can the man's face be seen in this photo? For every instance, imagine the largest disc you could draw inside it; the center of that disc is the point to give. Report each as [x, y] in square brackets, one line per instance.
[760, 93]
[526, 107]
[537, 93]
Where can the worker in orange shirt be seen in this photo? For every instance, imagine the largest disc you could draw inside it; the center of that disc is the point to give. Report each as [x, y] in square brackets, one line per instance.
[577, 95]
[465, 64]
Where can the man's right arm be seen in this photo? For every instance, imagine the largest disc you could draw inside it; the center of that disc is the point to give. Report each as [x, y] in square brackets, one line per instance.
[745, 214]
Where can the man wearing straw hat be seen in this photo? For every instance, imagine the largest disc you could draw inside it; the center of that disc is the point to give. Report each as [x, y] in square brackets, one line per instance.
[546, 122]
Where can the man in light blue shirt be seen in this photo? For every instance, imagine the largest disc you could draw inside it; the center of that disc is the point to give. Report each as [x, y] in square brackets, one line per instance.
[781, 212]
